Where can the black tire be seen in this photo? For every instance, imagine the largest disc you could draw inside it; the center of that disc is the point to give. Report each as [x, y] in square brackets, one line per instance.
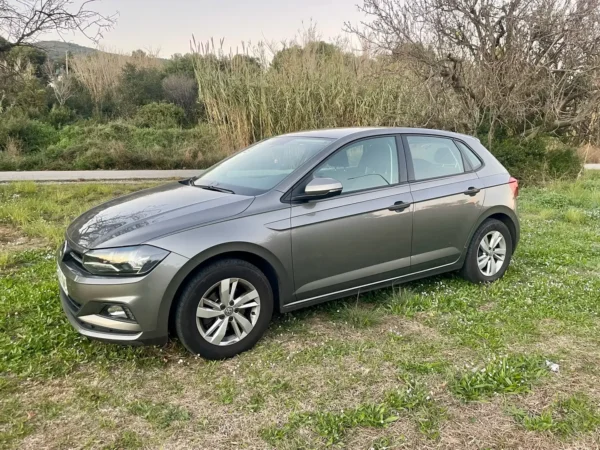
[185, 314]
[470, 270]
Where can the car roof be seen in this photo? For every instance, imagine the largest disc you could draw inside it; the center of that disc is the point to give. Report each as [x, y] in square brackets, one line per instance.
[339, 133]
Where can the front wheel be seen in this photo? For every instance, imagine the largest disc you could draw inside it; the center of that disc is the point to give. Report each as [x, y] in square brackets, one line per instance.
[224, 310]
[489, 253]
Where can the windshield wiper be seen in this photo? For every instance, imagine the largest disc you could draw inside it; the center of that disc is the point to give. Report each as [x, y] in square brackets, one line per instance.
[214, 188]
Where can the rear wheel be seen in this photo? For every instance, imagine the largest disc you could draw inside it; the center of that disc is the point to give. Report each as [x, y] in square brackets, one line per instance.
[224, 310]
[489, 253]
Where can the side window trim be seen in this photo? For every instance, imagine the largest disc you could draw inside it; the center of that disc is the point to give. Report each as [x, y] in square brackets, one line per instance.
[402, 159]
[409, 163]
[402, 170]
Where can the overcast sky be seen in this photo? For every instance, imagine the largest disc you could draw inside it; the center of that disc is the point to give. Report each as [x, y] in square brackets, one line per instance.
[169, 24]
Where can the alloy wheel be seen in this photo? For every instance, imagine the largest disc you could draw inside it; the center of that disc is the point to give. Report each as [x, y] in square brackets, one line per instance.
[491, 253]
[228, 311]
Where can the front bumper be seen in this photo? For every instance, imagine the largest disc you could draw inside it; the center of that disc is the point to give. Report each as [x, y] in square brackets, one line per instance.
[86, 296]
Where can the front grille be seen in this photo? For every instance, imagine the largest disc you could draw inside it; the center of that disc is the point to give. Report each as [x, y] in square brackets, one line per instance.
[73, 257]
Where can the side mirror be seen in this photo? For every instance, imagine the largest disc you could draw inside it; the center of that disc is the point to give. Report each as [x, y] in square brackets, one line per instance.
[320, 188]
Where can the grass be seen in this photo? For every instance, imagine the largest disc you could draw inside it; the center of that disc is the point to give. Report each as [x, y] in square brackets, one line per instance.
[506, 375]
[332, 426]
[43, 211]
[564, 417]
[434, 363]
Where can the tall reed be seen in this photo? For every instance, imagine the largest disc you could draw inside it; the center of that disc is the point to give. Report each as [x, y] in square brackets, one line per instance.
[310, 89]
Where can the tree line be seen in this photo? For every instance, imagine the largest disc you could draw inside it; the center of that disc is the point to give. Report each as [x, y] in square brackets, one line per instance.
[520, 74]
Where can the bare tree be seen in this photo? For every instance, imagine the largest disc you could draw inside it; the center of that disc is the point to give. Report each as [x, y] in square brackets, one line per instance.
[60, 81]
[181, 90]
[531, 64]
[22, 21]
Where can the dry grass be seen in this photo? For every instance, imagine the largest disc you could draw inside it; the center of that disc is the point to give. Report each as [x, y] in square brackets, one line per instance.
[227, 404]
[100, 72]
[589, 153]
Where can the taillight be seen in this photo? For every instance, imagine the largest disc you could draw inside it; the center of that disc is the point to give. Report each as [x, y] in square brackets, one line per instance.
[513, 183]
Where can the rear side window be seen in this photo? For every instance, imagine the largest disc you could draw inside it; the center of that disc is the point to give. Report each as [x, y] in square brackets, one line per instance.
[471, 157]
[434, 157]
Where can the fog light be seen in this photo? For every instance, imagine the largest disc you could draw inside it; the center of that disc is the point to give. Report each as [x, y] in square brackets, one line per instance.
[118, 312]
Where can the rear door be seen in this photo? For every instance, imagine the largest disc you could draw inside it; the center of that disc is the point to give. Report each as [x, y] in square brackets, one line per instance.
[361, 237]
[447, 195]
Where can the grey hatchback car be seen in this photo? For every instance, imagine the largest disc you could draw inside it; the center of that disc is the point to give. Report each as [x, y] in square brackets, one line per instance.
[289, 222]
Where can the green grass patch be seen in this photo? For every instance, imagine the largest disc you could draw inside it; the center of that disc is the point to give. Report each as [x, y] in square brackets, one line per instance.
[45, 210]
[565, 417]
[358, 316]
[331, 426]
[161, 415]
[505, 375]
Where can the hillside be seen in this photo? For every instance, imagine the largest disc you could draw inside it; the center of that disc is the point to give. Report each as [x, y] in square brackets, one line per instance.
[58, 49]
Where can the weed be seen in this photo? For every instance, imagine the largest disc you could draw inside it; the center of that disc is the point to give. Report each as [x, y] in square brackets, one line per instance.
[126, 440]
[358, 316]
[161, 415]
[505, 375]
[332, 426]
[565, 417]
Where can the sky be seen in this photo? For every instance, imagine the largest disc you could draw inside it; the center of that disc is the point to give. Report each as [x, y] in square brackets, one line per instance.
[168, 25]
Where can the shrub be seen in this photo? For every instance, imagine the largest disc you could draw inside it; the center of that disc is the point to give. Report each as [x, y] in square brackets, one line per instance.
[537, 160]
[159, 115]
[120, 145]
[139, 86]
[31, 135]
[182, 91]
[60, 116]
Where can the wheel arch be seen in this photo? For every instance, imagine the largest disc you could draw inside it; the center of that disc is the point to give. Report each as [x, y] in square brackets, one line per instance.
[504, 215]
[263, 259]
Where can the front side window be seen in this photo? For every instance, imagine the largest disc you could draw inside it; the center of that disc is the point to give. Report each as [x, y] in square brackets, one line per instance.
[366, 164]
[434, 157]
[261, 167]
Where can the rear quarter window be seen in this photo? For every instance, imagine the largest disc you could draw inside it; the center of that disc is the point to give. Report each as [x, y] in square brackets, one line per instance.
[473, 159]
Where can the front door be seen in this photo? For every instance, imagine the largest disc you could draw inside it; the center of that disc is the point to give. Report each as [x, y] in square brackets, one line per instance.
[448, 197]
[361, 237]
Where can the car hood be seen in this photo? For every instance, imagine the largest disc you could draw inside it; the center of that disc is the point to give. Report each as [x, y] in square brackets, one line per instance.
[141, 216]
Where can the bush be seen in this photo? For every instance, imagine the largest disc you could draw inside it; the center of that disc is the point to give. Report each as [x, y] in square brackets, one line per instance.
[159, 115]
[139, 86]
[59, 116]
[537, 160]
[32, 135]
[120, 145]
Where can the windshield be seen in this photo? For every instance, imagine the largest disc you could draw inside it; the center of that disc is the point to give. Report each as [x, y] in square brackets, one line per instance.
[261, 167]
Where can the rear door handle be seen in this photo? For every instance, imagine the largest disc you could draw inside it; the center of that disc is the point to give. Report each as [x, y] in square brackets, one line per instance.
[472, 191]
[399, 206]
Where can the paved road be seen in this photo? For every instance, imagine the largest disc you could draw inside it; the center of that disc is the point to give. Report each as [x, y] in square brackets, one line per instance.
[121, 175]
[91, 175]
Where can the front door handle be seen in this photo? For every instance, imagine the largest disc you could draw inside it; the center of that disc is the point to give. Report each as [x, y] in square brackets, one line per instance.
[399, 206]
[472, 191]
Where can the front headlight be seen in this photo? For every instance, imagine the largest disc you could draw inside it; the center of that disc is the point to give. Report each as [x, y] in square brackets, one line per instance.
[137, 260]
